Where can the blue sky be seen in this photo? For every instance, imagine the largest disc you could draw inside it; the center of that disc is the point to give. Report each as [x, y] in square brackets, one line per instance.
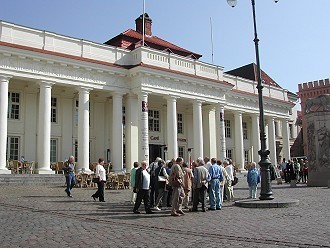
[294, 34]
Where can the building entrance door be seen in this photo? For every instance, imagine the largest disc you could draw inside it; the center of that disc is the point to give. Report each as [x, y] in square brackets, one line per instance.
[154, 152]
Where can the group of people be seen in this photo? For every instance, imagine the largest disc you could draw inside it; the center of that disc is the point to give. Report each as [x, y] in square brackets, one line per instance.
[174, 184]
[295, 170]
[171, 184]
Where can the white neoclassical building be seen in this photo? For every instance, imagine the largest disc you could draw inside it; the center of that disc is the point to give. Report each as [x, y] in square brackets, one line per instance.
[62, 96]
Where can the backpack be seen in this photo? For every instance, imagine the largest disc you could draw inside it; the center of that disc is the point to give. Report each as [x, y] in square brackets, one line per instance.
[157, 170]
[154, 166]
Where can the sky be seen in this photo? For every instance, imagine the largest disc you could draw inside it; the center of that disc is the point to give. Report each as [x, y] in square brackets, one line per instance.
[294, 34]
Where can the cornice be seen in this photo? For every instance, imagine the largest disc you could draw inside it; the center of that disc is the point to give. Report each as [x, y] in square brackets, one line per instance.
[60, 72]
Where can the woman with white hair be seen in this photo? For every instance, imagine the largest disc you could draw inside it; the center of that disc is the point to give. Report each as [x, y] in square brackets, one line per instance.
[253, 179]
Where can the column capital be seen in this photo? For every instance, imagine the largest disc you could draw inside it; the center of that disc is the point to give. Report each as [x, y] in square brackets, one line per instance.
[197, 102]
[270, 118]
[45, 83]
[143, 93]
[171, 97]
[285, 119]
[118, 93]
[237, 112]
[220, 105]
[131, 95]
[84, 89]
[4, 78]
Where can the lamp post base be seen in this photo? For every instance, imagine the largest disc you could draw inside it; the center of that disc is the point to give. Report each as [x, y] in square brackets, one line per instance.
[266, 186]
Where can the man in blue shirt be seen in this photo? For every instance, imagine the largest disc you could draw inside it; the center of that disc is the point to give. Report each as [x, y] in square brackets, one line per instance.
[214, 185]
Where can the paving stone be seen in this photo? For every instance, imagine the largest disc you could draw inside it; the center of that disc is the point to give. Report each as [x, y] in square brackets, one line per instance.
[39, 216]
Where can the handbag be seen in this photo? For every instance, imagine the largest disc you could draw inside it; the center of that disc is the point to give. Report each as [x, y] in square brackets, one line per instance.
[95, 180]
[235, 181]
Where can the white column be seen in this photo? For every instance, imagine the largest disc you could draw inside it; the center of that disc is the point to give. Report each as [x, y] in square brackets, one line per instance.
[144, 131]
[4, 82]
[266, 132]
[83, 130]
[285, 138]
[255, 137]
[209, 131]
[172, 128]
[198, 129]
[212, 137]
[117, 132]
[239, 145]
[272, 141]
[221, 138]
[44, 126]
[131, 131]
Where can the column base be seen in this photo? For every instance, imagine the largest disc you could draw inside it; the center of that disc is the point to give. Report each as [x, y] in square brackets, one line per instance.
[5, 171]
[44, 171]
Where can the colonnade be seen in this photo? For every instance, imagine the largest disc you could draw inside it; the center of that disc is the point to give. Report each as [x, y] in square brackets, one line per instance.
[136, 129]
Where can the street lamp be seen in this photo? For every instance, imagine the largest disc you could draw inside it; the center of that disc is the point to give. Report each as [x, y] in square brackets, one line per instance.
[266, 187]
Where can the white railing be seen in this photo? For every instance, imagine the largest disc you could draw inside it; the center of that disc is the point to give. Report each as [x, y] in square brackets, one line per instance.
[249, 86]
[177, 63]
[48, 41]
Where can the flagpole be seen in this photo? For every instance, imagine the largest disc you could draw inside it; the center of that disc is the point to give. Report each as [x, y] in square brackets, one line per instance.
[212, 39]
[143, 23]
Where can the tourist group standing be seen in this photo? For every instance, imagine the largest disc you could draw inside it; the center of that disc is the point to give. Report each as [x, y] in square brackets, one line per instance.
[173, 184]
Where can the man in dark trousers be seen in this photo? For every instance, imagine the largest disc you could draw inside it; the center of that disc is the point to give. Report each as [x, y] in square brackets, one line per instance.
[154, 181]
[142, 184]
[69, 175]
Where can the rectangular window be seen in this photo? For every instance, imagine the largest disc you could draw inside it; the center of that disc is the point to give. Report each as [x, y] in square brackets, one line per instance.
[180, 123]
[245, 131]
[154, 120]
[76, 113]
[276, 129]
[13, 148]
[246, 156]
[13, 105]
[291, 131]
[229, 153]
[53, 150]
[124, 116]
[53, 113]
[76, 150]
[181, 151]
[124, 155]
[227, 129]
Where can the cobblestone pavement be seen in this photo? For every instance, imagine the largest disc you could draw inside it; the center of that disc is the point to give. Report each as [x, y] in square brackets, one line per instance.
[36, 216]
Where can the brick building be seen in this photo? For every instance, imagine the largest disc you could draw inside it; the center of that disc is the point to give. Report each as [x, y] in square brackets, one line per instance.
[311, 90]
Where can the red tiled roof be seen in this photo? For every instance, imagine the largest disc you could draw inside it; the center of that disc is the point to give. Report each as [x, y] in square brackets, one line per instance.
[250, 72]
[133, 37]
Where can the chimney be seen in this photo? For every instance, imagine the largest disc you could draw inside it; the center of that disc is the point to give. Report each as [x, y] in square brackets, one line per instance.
[147, 27]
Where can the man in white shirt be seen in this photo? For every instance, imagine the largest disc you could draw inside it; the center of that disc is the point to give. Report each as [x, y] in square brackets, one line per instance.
[142, 185]
[207, 163]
